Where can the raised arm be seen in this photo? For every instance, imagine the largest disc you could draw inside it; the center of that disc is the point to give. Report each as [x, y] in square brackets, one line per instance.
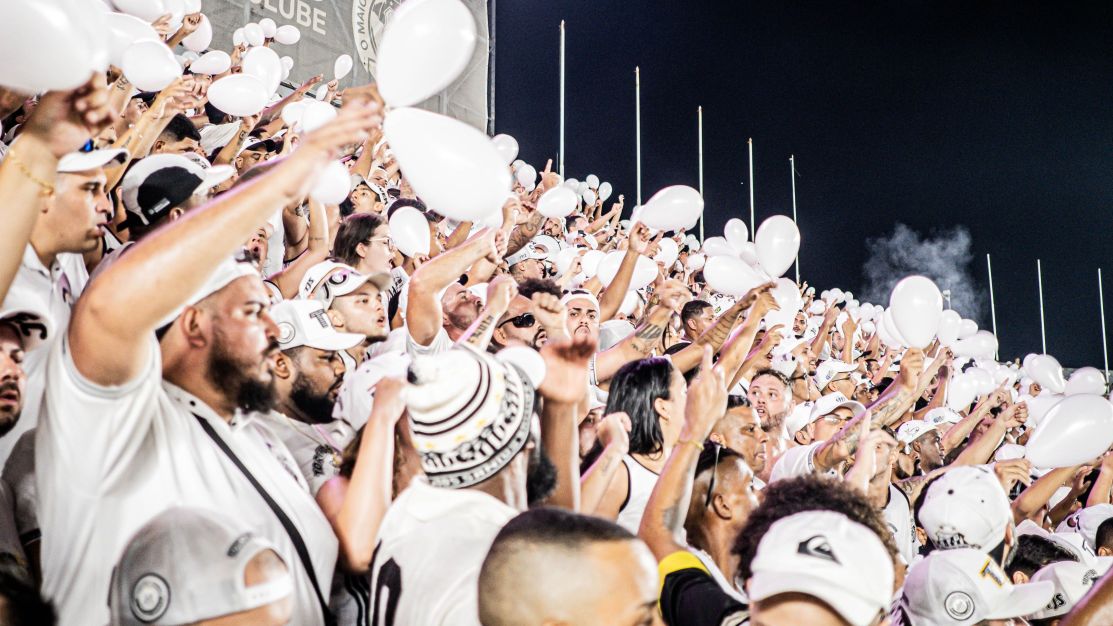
[289, 278]
[112, 321]
[734, 351]
[566, 364]
[901, 395]
[500, 292]
[616, 292]
[1036, 495]
[640, 344]
[424, 313]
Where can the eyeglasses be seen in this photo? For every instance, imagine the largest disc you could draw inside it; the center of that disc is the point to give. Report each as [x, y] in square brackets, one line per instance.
[714, 475]
[525, 320]
[377, 240]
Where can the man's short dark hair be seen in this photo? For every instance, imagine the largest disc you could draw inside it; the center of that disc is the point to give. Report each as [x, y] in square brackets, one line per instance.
[179, 128]
[407, 202]
[530, 286]
[693, 309]
[1104, 536]
[774, 373]
[734, 401]
[807, 493]
[1033, 553]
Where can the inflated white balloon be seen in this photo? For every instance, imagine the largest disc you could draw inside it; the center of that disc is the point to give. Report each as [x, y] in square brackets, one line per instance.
[176, 9]
[961, 390]
[239, 95]
[967, 328]
[718, 246]
[1086, 380]
[1075, 431]
[748, 253]
[321, 92]
[1039, 406]
[264, 64]
[287, 63]
[506, 146]
[983, 380]
[238, 37]
[410, 231]
[44, 48]
[1045, 370]
[735, 232]
[287, 34]
[528, 360]
[212, 62]
[692, 243]
[645, 271]
[146, 10]
[949, 326]
[268, 26]
[192, 6]
[557, 202]
[199, 40]
[571, 183]
[696, 262]
[787, 296]
[332, 184]
[123, 31]
[891, 329]
[592, 181]
[589, 197]
[673, 208]
[253, 34]
[291, 113]
[604, 191]
[667, 251]
[590, 262]
[150, 66]
[777, 241]
[451, 166]
[980, 345]
[425, 46]
[341, 66]
[526, 175]
[730, 275]
[316, 114]
[917, 306]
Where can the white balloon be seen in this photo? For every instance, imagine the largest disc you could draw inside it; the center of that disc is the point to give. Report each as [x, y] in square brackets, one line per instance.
[692, 243]
[967, 328]
[268, 26]
[253, 34]
[748, 253]
[124, 30]
[452, 166]
[667, 251]
[571, 183]
[425, 46]
[983, 380]
[410, 231]
[150, 66]
[891, 328]
[604, 191]
[1086, 380]
[787, 296]
[291, 113]
[629, 303]
[1040, 405]
[287, 34]
[673, 208]
[582, 187]
[777, 241]
[176, 9]
[1076, 430]
[287, 63]
[730, 275]
[199, 40]
[735, 232]
[592, 181]
[528, 360]
[238, 37]
[961, 390]
[917, 307]
[146, 10]
[322, 91]
[526, 175]
[589, 197]
[645, 271]
[718, 246]
[192, 6]
[342, 66]
[1045, 370]
[980, 345]
[212, 62]
[557, 202]
[506, 146]
[696, 262]
[590, 262]
[949, 325]
[239, 95]
[316, 114]
[264, 64]
[1028, 359]
[332, 184]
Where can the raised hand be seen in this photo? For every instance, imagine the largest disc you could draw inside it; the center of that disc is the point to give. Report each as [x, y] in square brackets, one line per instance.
[707, 398]
[1013, 471]
[65, 120]
[566, 368]
[500, 291]
[390, 401]
[614, 429]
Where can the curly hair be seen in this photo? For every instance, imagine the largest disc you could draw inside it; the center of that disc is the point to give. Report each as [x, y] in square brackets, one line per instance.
[807, 493]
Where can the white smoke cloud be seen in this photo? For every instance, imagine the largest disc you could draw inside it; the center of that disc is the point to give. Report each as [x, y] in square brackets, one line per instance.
[944, 256]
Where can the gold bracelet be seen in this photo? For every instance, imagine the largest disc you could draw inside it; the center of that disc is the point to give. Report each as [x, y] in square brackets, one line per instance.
[695, 444]
[47, 188]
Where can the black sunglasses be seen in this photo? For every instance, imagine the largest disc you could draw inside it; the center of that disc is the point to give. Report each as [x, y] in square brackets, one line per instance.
[714, 474]
[525, 320]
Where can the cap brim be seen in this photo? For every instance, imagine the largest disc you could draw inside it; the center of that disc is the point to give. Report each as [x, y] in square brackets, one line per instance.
[857, 611]
[214, 176]
[1024, 600]
[83, 161]
[334, 341]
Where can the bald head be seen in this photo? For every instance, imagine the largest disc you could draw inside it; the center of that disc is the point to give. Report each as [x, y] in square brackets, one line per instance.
[549, 566]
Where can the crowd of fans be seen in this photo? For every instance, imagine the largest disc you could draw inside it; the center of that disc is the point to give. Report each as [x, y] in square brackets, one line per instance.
[224, 402]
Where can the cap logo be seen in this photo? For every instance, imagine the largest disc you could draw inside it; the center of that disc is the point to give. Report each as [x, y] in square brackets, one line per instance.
[26, 324]
[322, 318]
[992, 572]
[946, 541]
[150, 597]
[1089, 577]
[238, 544]
[285, 332]
[959, 605]
[819, 547]
[1057, 601]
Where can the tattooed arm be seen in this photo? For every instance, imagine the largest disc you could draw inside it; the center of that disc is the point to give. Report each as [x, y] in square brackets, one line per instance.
[913, 486]
[733, 352]
[637, 346]
[612, 298]
[902, 395]
[522, 234]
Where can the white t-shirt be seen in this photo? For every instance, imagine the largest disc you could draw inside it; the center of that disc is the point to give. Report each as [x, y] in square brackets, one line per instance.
[432, 543]
[108, 459]
[898, 517]
[798, 461]
[441, 343]
[317, 448]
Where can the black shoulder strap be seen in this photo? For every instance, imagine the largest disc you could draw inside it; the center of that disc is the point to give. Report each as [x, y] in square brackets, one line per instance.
[291, 530]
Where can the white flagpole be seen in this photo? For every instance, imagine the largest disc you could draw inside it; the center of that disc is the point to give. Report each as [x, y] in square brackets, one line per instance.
[1104, 341]
[992, 302]
[753, 226]
[792, 166]
[1043, 329]
[560, 166]
[700, 112]
[638, 124]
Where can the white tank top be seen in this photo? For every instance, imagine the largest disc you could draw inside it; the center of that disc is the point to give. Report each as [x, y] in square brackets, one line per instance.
[640, 485]
[898, 517]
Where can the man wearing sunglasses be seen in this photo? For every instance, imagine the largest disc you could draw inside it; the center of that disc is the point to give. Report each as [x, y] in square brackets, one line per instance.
[531, 321]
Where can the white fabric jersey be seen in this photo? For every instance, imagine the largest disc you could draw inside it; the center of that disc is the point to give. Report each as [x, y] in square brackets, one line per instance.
[108, 459]
[396, 341]
[317, 448]
[57, 288]
[432, 543]
[795, 462]
[19, 481]
[640, 485]
[718, 576]
[441, 343]
[898, 517]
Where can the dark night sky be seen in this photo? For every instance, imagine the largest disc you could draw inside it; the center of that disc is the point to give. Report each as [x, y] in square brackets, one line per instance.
[993, 115]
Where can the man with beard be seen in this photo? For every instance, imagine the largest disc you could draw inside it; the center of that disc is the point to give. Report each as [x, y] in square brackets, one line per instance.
[771, 397]
[308, 373]
[531, 321]
[353, 303]
[739, 430]
[924, 447]
[134, 425]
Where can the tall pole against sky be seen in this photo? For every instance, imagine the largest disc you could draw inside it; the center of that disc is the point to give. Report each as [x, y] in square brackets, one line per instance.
[700, 115]
[560, 166]
[638, 126]
[1043, 329]
[792, 167]
[992, 302]
[753, 226]
[1104, 340]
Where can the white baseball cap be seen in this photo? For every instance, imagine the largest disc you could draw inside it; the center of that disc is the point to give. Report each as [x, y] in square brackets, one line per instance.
[1086, 522]
[830, 368]
[829, 557]
[83, 161]
[357, 393]
[27, 313]
[966, 586]
[831, 402]
[912, 430]
[532, 250]
[942, 415]
[800, 417]
[966, 508]
[306, 323]
[328, 280]
[1071, 579]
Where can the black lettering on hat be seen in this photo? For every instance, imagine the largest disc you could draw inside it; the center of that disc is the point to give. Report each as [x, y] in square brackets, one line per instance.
[322, 318]
[819, 547]
[1057, 601]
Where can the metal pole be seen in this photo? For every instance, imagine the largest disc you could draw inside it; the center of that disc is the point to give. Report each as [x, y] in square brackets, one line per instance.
[1043, 329]
[700, 111]
[560, 166]
[1104, 341]
[753, 226]
[792, 167]
[638, 125]
[992, 302]
[491, 11]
